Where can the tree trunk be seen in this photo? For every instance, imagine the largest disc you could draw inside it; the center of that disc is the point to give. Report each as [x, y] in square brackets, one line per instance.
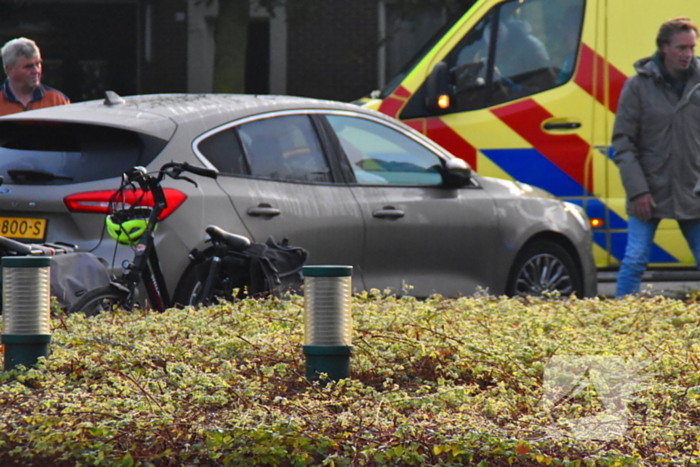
[231, 38]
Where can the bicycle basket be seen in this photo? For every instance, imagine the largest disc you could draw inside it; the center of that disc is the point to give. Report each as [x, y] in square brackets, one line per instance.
[127, 226]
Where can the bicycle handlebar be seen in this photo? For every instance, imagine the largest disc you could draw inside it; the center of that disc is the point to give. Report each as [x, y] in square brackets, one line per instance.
[13, 245]
[204, 172]
[45, 249]
[149, 182]
[174, 169]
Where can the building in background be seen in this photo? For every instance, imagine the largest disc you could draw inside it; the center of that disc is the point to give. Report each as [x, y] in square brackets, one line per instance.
[332, 50]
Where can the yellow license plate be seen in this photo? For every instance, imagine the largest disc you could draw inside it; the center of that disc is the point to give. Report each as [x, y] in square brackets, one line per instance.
[23, 227]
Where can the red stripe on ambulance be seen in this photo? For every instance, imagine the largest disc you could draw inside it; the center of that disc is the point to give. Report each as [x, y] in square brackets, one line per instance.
[392, 105]
[568, 152]
[617, 80]
[417, 125]
[589, 62]
[402, 92]
[451, 140]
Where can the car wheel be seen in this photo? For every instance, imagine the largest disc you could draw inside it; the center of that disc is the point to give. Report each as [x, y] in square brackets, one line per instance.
[544, 267]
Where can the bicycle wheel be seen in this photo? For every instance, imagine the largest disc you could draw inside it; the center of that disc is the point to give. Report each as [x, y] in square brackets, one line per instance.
[97, 301]
[231, 275]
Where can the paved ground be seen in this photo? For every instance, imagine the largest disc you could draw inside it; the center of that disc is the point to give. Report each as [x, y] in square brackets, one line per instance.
[670, 289]
[676, 284]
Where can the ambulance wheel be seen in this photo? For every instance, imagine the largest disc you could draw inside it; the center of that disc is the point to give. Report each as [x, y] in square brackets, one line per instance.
[543, 268]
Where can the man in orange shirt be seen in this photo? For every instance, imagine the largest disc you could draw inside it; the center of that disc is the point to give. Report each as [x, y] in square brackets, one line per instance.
[22, 90]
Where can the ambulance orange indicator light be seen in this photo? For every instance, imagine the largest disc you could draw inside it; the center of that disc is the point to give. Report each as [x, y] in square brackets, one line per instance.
[444, 101]
[597, 222]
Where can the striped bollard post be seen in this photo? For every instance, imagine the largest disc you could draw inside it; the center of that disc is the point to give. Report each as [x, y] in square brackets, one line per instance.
[26, 317]
[327, 321]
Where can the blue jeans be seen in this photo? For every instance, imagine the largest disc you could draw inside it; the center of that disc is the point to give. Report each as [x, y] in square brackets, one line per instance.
[639, 240]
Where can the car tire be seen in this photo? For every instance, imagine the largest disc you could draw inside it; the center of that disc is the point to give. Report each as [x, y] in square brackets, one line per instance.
[542, 268]
[98, 301]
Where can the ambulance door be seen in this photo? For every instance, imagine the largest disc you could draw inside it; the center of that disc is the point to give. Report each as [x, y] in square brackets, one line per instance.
[519, 77]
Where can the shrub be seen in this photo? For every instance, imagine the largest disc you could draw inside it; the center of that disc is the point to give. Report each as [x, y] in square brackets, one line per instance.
[433, 382]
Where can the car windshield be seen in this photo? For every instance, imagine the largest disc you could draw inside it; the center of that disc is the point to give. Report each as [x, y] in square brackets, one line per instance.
[57, 153]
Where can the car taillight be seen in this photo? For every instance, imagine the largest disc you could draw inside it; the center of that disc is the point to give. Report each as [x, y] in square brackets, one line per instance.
[98, 201]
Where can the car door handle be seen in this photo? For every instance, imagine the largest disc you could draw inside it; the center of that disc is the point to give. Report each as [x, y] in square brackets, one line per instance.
[562, 126]
[264, 210]
[388, 212]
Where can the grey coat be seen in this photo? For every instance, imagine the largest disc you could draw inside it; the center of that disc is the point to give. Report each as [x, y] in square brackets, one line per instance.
[656, 141]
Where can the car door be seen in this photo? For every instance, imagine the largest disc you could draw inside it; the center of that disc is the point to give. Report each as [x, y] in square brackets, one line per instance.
[278, 177]
[421, 237]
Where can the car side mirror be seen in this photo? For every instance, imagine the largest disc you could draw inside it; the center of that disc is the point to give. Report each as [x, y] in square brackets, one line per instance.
[457, 173]
[438, 96]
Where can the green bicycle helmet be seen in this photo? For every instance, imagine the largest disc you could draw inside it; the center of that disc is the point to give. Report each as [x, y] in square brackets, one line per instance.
[127, 225]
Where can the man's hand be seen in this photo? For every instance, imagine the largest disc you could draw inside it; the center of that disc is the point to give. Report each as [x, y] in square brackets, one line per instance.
[641, 207]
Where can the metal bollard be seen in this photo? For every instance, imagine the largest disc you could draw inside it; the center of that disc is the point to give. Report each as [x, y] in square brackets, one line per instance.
[26, 318]
[327, 321]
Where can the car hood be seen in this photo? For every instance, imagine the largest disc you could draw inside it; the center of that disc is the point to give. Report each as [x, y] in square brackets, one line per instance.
[516, 188]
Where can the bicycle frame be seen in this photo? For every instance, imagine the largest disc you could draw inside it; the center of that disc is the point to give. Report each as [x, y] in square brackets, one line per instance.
[145, 265]
[224, 245]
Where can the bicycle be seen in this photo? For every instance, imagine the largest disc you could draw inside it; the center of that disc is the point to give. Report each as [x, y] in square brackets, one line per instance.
[234, 266]
[10, 247]
[73, 272]
[232, 263]
[134, 225]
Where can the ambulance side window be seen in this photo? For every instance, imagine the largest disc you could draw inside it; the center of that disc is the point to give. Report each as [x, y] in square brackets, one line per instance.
[516, 50]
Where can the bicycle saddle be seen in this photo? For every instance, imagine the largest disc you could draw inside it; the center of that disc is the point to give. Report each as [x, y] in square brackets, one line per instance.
[236, 242]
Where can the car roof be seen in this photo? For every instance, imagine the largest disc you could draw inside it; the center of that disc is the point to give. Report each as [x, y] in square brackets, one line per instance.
[159, 114]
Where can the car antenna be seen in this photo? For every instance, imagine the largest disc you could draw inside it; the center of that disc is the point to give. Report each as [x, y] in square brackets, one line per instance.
[112, 98]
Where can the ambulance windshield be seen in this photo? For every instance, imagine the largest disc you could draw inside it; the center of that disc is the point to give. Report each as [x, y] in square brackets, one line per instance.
[452, 19]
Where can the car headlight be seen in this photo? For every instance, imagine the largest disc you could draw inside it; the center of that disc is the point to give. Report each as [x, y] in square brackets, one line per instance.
[578, 213]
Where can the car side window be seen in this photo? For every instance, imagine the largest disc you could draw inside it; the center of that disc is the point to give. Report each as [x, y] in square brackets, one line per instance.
[284, 148]
[380, 155]
[223, 150]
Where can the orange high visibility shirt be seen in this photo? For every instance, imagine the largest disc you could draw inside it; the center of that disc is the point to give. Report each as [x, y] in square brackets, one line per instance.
[44, 96]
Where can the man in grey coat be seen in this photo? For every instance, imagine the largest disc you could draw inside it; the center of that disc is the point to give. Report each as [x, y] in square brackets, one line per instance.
[656, 139]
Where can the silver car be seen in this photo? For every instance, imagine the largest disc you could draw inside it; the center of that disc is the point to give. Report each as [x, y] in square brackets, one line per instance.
[352, 186]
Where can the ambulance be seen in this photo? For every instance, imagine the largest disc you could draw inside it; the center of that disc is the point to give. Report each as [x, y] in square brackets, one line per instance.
[527, 90]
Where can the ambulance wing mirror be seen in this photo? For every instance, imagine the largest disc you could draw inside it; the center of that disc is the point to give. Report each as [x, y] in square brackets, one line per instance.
[437, 98]
[457, 173]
